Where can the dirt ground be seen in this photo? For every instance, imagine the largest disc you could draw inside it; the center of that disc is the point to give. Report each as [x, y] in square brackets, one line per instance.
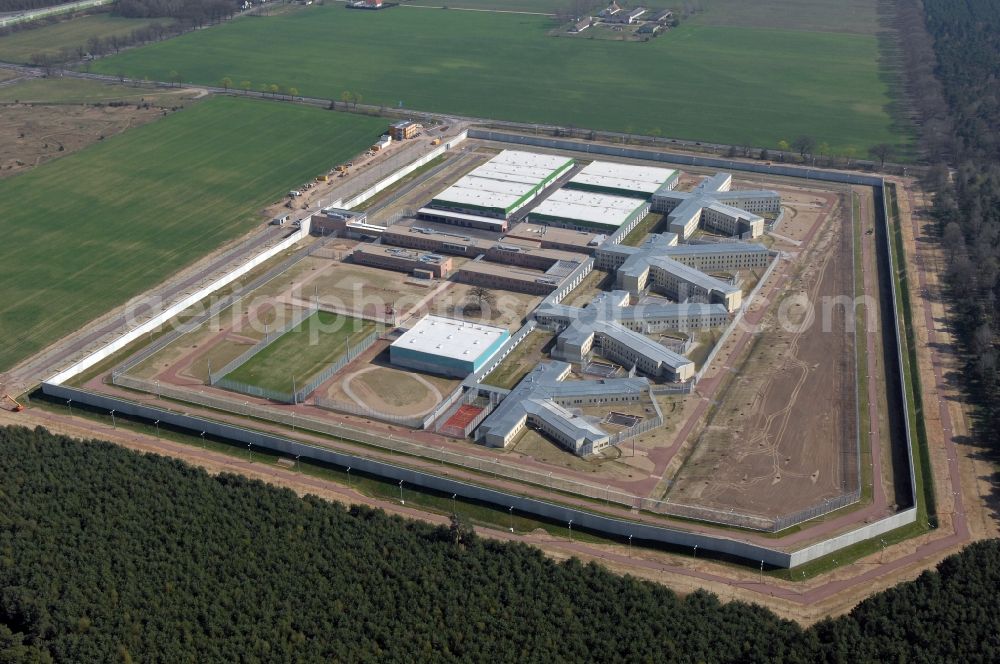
[594, 283]
[32, 134]
[768, 448]
[511, 308]
[372, 382]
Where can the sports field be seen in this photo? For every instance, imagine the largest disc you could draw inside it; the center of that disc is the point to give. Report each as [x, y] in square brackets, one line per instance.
[72, 34]
[701, 81]
[84, 233]
[303, 351]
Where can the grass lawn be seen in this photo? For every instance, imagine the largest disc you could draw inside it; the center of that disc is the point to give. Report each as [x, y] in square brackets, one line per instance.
[303, 351]
[50, 39]
[521, 360]
[84, 233]
[703, 82]
[85, 91]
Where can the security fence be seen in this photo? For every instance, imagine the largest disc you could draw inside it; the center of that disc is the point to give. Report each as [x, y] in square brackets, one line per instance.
[642, 427]
[490, 465]
[350, 408]
[255, 390]
[270, 337]
[349, 356]
[487, 403]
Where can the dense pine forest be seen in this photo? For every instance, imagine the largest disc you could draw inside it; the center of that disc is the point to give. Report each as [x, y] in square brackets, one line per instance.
[964, 130]
[107, 555]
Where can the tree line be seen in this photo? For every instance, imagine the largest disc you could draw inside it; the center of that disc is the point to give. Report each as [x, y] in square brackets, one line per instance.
[111, 555]
[960, 107]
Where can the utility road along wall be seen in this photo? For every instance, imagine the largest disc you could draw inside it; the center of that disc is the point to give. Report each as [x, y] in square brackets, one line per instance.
[385, 183]
[559, 513]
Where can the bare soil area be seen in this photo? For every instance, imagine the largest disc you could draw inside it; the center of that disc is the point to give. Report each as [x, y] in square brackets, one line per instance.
[32, 134]
[778, 437]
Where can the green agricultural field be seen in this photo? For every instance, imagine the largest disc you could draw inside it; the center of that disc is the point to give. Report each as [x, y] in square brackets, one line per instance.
[71, 34]
[303, 351]
[84, 233]
[702, 82]
[64, 90]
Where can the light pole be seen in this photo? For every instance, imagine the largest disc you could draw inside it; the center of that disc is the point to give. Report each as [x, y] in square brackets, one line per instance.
[297, 467]
[629, 546]
[202, 440]
[571, 529]
[157, 425]
[453, 510]
[348, 476]
[69, 404]
[401, 501]
[762, 571]
[114, 424]
[510, 513]
[882, 557]
[250, 452]
[695, 550]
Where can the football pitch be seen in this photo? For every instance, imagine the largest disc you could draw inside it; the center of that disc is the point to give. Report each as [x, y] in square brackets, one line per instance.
[701, 81]
[84, 233]
[302, 352]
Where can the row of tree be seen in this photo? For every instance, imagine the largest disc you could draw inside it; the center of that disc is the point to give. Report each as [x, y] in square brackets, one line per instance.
[97, 46]
[109, 555]
[960, 109]
[195, 12]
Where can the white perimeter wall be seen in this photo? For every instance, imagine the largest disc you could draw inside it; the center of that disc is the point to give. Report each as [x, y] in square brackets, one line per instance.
[178, 307]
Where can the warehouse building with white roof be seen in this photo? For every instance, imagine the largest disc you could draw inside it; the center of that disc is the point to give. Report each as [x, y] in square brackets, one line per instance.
[447, 346]
[501, 186]
[587, 210]
[605, 177]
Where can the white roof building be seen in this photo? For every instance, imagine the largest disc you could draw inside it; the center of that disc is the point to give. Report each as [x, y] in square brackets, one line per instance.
[624, 179]
[505, 183]
[587, 209]
[447, 346]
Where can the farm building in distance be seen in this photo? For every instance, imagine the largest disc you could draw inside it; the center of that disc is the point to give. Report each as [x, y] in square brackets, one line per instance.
[543, 399]
[713, 206]
[498, 188]
[446, 346]
[586, 210]
[624, 179]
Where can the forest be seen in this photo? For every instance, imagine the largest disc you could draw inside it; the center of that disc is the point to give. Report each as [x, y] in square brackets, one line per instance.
[107, 555]
[962, 134]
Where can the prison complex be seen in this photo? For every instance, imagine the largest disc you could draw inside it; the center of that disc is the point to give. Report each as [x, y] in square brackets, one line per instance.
[525, 222]
[543, 399]
[713, 206]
